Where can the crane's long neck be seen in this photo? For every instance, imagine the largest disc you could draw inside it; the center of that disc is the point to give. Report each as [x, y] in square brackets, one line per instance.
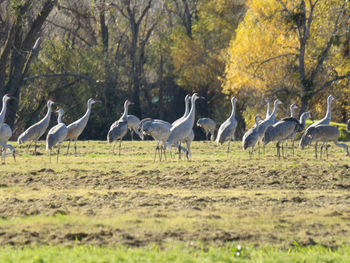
[233, 112]
[187, 102]
[292, 111]
[274, 110]
[125, 114]
[329, 109]
[303, 120]
[268, 111]
[48, 114]
[257, 121]
[87, 113]
[59, 119]
[191, 115]
[3, 111]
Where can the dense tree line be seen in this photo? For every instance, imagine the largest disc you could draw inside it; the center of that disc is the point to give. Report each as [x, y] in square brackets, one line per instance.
[156, 51]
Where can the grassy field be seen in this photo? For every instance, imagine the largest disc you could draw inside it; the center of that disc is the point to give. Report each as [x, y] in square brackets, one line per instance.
[97, 201]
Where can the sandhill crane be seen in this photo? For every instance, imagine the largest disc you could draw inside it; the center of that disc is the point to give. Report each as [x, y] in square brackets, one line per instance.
[34, 132]
[77, 127]
[180, 131]
[348, 126]
[268, 121]
[326, 119]
[120, 127]
[323, 133]
[57, 134]
[133, 125]
[5, 134]
[208, 126]
[292, 109]
[5, 99]
[283, 130]
[227, 129]
[251, 137]
[159, 130]
[268, 110]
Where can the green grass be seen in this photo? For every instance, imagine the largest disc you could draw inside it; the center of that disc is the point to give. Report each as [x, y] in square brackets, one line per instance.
[178, 253]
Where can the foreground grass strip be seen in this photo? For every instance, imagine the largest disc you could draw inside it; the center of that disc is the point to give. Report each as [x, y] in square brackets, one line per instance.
[178, 253]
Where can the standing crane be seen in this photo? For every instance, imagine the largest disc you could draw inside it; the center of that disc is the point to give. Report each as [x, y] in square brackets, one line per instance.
[183, 129]
[283, 130]
[34, 132]
[228, 128]
[77, 127]
[5, 99]
[268, 110]
[119, 128]
[324, 121]
[208, 126]
[57, 134]
[5, 135]
[251, 137]
[133, 125]
[268, 121]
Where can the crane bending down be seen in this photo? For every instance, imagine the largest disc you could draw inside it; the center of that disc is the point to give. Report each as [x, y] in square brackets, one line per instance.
[133, 125]
[228, 128]
[323, 133]
[5, 134]
[5, 99]
[208, 126]
[77, 127]
[119, 128]
[34, 132]
[183, 129]
[57, 134]
[283, 130]
[251, 137]
[159, 130]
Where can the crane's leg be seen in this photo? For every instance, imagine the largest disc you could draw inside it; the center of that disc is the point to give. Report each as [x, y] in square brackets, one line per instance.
[293, 145]
[206, 135]
[179, 147]
[321, 151]
[58, 152]
[120, 145]
[29, 146]
[68, 147]
[50, 155]
[164, 151]
[259, 146]
[155, 152]
[113, 147]
[35, 147]
[316, 150]
[132, 133]
[326, 150]
[228, 147]
[75, 146]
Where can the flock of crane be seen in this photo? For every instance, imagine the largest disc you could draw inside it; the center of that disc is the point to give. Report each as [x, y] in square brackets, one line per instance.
[180, 131]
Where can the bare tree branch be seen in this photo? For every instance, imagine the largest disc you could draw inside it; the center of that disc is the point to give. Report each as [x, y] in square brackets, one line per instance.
[330, 82]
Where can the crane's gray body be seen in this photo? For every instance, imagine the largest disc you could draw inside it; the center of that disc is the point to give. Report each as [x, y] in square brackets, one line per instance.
[283, 130]
[133, 125]
[180, 131]
[227, 129]
[58, 133]
[5, 135]
[5, 99]
[269, 121]
[34, 132]
[208, 126]
[250, 138]
[119, 128]
[322, 133]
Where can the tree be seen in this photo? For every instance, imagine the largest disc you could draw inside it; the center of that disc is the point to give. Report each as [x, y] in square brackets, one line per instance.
[20, 45]
[289, 48]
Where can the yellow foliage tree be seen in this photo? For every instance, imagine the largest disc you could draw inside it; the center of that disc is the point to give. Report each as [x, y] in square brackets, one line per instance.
[290, 48]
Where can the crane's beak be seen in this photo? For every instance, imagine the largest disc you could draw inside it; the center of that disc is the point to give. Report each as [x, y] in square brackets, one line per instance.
[13, 98]
[131, 103]
[98, 101]
[202, 98]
